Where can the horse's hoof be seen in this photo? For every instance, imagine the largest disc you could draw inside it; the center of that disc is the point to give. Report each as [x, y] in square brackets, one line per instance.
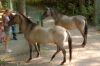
[49, 61]
[62, 63]
[28, 60]
[83, 45]
[38, 56]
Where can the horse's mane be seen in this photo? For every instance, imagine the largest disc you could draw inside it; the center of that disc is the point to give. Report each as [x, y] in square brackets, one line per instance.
[27, 19]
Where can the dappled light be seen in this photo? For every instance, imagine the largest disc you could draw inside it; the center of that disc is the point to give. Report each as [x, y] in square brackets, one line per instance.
[88, 56]
[79, 18]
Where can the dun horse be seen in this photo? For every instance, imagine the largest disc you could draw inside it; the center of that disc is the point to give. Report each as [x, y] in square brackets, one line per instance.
[69, 22]
[37, 34]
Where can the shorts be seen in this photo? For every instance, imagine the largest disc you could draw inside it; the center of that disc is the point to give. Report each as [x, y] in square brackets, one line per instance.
[7, 30]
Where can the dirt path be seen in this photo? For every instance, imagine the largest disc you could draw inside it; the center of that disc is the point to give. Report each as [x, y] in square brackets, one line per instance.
[88, 56]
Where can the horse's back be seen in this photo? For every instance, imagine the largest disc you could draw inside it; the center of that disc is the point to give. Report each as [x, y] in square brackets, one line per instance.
[66, 22]
[71, 22]
[41, 35]
[48, 35]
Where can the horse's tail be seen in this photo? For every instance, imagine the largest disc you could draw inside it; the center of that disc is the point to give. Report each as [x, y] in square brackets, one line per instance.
[70, 45]
[86, 28]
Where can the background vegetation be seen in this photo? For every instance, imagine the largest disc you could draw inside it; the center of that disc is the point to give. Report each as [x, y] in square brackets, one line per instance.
[68, 7]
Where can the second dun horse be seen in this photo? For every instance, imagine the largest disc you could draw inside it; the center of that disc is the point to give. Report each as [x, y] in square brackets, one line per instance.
[69, 22]
[37, 34]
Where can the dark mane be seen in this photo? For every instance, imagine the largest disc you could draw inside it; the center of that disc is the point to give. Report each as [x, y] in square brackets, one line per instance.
[27, 19]
[29, 22]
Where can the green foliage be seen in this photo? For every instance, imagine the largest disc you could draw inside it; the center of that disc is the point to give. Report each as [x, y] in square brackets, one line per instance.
[2, 62]
[73, 7]
[84, 10]
[69, 7]
[90, 10]
[33, 2]
[5, 4]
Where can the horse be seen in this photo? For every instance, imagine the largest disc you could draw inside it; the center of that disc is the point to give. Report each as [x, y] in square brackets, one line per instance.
[69, 22]
[34, 33]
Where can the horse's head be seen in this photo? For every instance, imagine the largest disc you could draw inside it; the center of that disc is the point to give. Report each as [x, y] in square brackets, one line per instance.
[16, 19]
[51, 12]
[47, 12]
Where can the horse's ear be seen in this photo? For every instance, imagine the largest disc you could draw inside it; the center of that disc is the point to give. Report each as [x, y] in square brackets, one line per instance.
[47, 8]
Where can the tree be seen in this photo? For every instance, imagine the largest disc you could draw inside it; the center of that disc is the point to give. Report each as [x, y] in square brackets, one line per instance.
[22, 6]
[21, 9]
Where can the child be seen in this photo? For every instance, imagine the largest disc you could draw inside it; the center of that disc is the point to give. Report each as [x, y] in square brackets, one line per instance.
[3, 37]
[1, 32]
[6, 19]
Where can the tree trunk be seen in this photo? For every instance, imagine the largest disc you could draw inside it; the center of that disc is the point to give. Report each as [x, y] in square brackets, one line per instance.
[22, 6]
[21, 9]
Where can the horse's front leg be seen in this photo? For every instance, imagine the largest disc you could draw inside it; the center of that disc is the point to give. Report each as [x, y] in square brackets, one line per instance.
[38, 45]
[30, 50]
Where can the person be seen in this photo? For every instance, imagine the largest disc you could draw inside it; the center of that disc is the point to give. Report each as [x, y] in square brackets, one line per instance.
[14, 32]
[6, 19]
[13, 28]
[1, 32]
[3, 37]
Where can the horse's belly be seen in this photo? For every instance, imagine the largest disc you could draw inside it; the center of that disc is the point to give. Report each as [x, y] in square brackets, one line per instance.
[70, 26]
[67, 25]
[43, 38]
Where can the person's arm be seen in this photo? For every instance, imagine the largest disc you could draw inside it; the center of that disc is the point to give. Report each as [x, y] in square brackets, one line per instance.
[5, 20]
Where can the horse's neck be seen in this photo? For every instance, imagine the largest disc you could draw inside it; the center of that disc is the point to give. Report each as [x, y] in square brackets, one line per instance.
[27, 26]
[57, 18]
[23, 25]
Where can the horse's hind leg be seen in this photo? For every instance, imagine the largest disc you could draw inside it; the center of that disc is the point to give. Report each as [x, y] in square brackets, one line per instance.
[37, 49]
[58, 50]
[85, 34]
[38, 45]
[64, 54]
[84, 42]
[30, 57]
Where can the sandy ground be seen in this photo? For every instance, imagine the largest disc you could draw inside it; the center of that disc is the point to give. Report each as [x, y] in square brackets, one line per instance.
[88, 56]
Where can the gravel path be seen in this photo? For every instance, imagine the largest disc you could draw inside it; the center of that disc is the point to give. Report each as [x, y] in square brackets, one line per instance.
[88, 56]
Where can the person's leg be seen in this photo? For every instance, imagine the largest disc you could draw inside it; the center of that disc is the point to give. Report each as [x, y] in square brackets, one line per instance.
[7, 39]
[5, 42]
[14, 36]
[0, 39]
[14, 32]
